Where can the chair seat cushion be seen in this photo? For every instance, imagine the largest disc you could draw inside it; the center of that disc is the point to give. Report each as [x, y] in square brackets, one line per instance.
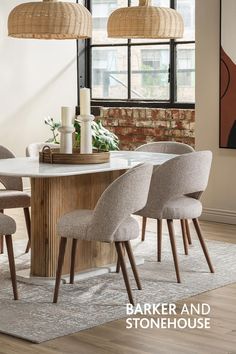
[178, 208]
[7, 225]
[76, 225]
[128, 230]
[182, 208]
[10, 199]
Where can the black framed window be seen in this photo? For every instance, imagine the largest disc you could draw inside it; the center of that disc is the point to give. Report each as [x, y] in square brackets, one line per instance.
[124, 72]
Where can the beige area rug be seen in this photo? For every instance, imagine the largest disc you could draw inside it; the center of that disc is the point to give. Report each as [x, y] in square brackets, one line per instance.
[102, 299]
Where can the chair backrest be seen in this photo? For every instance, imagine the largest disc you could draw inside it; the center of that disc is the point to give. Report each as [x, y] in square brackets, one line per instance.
[10, 183]
[169, 147]
[126, 195]
[33, 149]
[183, 175]
[166, 147]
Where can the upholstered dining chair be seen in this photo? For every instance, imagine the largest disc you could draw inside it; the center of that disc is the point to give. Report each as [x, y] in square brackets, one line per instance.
[172, 184]
[110, 221]
[33, 149]
[8, 228]
[167, 147]
[13, 196]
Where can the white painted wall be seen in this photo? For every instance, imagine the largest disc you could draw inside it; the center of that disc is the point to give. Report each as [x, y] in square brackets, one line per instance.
[36, 79]
[220, 197]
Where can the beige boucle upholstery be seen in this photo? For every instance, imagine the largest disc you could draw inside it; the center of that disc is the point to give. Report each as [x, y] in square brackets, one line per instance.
[75, 224]
[111, 221]
[173, 181]
[10, 183]
[12, 196]
[166, 147]
[177, 208]
[7, 228]
[13, 199]
[68, 225]
[7, 225]
[169, 147]
[33, 149]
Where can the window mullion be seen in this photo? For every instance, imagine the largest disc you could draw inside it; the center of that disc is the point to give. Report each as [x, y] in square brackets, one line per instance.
[129, 63]
[129, 68]
[172, 72]
[173, 4]
[173, 64]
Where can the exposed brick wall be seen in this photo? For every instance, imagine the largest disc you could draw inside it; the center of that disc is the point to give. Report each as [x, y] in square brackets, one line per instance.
[137, 126]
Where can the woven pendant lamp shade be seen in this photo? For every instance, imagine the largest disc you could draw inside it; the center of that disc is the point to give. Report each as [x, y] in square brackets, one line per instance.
[145, 21]
[50, 19]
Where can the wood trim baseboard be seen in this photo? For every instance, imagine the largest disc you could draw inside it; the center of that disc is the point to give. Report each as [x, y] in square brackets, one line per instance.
[219, 215]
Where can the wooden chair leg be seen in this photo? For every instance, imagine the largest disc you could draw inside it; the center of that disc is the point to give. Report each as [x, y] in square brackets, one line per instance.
[12, 264]
[61, 255]
[159, 239]
[173, 247]
[132, 263]
[1, 239]
[202, 242]
[124, 271]
[118, 266]
[28, 226]
[118, 261]
[72, 264]
[1, 244]
[184, 235]
[144, 223]
[188, 232]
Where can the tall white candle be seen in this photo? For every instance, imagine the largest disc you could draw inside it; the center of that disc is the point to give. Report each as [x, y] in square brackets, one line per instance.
[84, 101]
[67, 116]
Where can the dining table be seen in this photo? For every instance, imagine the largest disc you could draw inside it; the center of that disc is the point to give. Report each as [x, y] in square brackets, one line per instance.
[57, 189]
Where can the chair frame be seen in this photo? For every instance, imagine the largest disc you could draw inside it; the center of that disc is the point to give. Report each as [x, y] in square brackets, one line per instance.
[197, 189]
[185, 228]
[127, 202]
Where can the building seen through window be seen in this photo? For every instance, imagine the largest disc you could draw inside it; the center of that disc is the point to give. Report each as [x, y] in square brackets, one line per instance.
[159, 70]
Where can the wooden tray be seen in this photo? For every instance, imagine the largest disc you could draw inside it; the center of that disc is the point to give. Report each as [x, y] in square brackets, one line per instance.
[49, 155]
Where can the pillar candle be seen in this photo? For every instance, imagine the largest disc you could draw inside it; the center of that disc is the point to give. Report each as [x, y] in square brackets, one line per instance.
[84, 101]
[66, 116]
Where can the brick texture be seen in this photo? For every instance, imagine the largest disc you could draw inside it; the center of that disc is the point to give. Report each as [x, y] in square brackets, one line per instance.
[137, 126]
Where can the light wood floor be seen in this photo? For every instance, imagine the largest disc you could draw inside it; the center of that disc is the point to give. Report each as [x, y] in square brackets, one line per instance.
[113, 338]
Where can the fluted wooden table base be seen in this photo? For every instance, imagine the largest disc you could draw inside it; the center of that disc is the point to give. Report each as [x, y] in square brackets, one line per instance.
[53, 197]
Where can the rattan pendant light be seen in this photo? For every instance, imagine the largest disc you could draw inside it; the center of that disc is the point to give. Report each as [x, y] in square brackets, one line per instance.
[145, 21]
[50, 19]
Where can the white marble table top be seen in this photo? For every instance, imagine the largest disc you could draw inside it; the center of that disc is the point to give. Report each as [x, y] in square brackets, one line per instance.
[120, 160]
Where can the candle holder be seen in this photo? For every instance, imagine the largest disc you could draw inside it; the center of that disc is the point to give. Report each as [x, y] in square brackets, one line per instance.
[66, 141]
[86, 140]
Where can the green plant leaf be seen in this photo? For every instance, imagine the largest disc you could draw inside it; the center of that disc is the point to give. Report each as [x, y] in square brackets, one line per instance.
[103, 139]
